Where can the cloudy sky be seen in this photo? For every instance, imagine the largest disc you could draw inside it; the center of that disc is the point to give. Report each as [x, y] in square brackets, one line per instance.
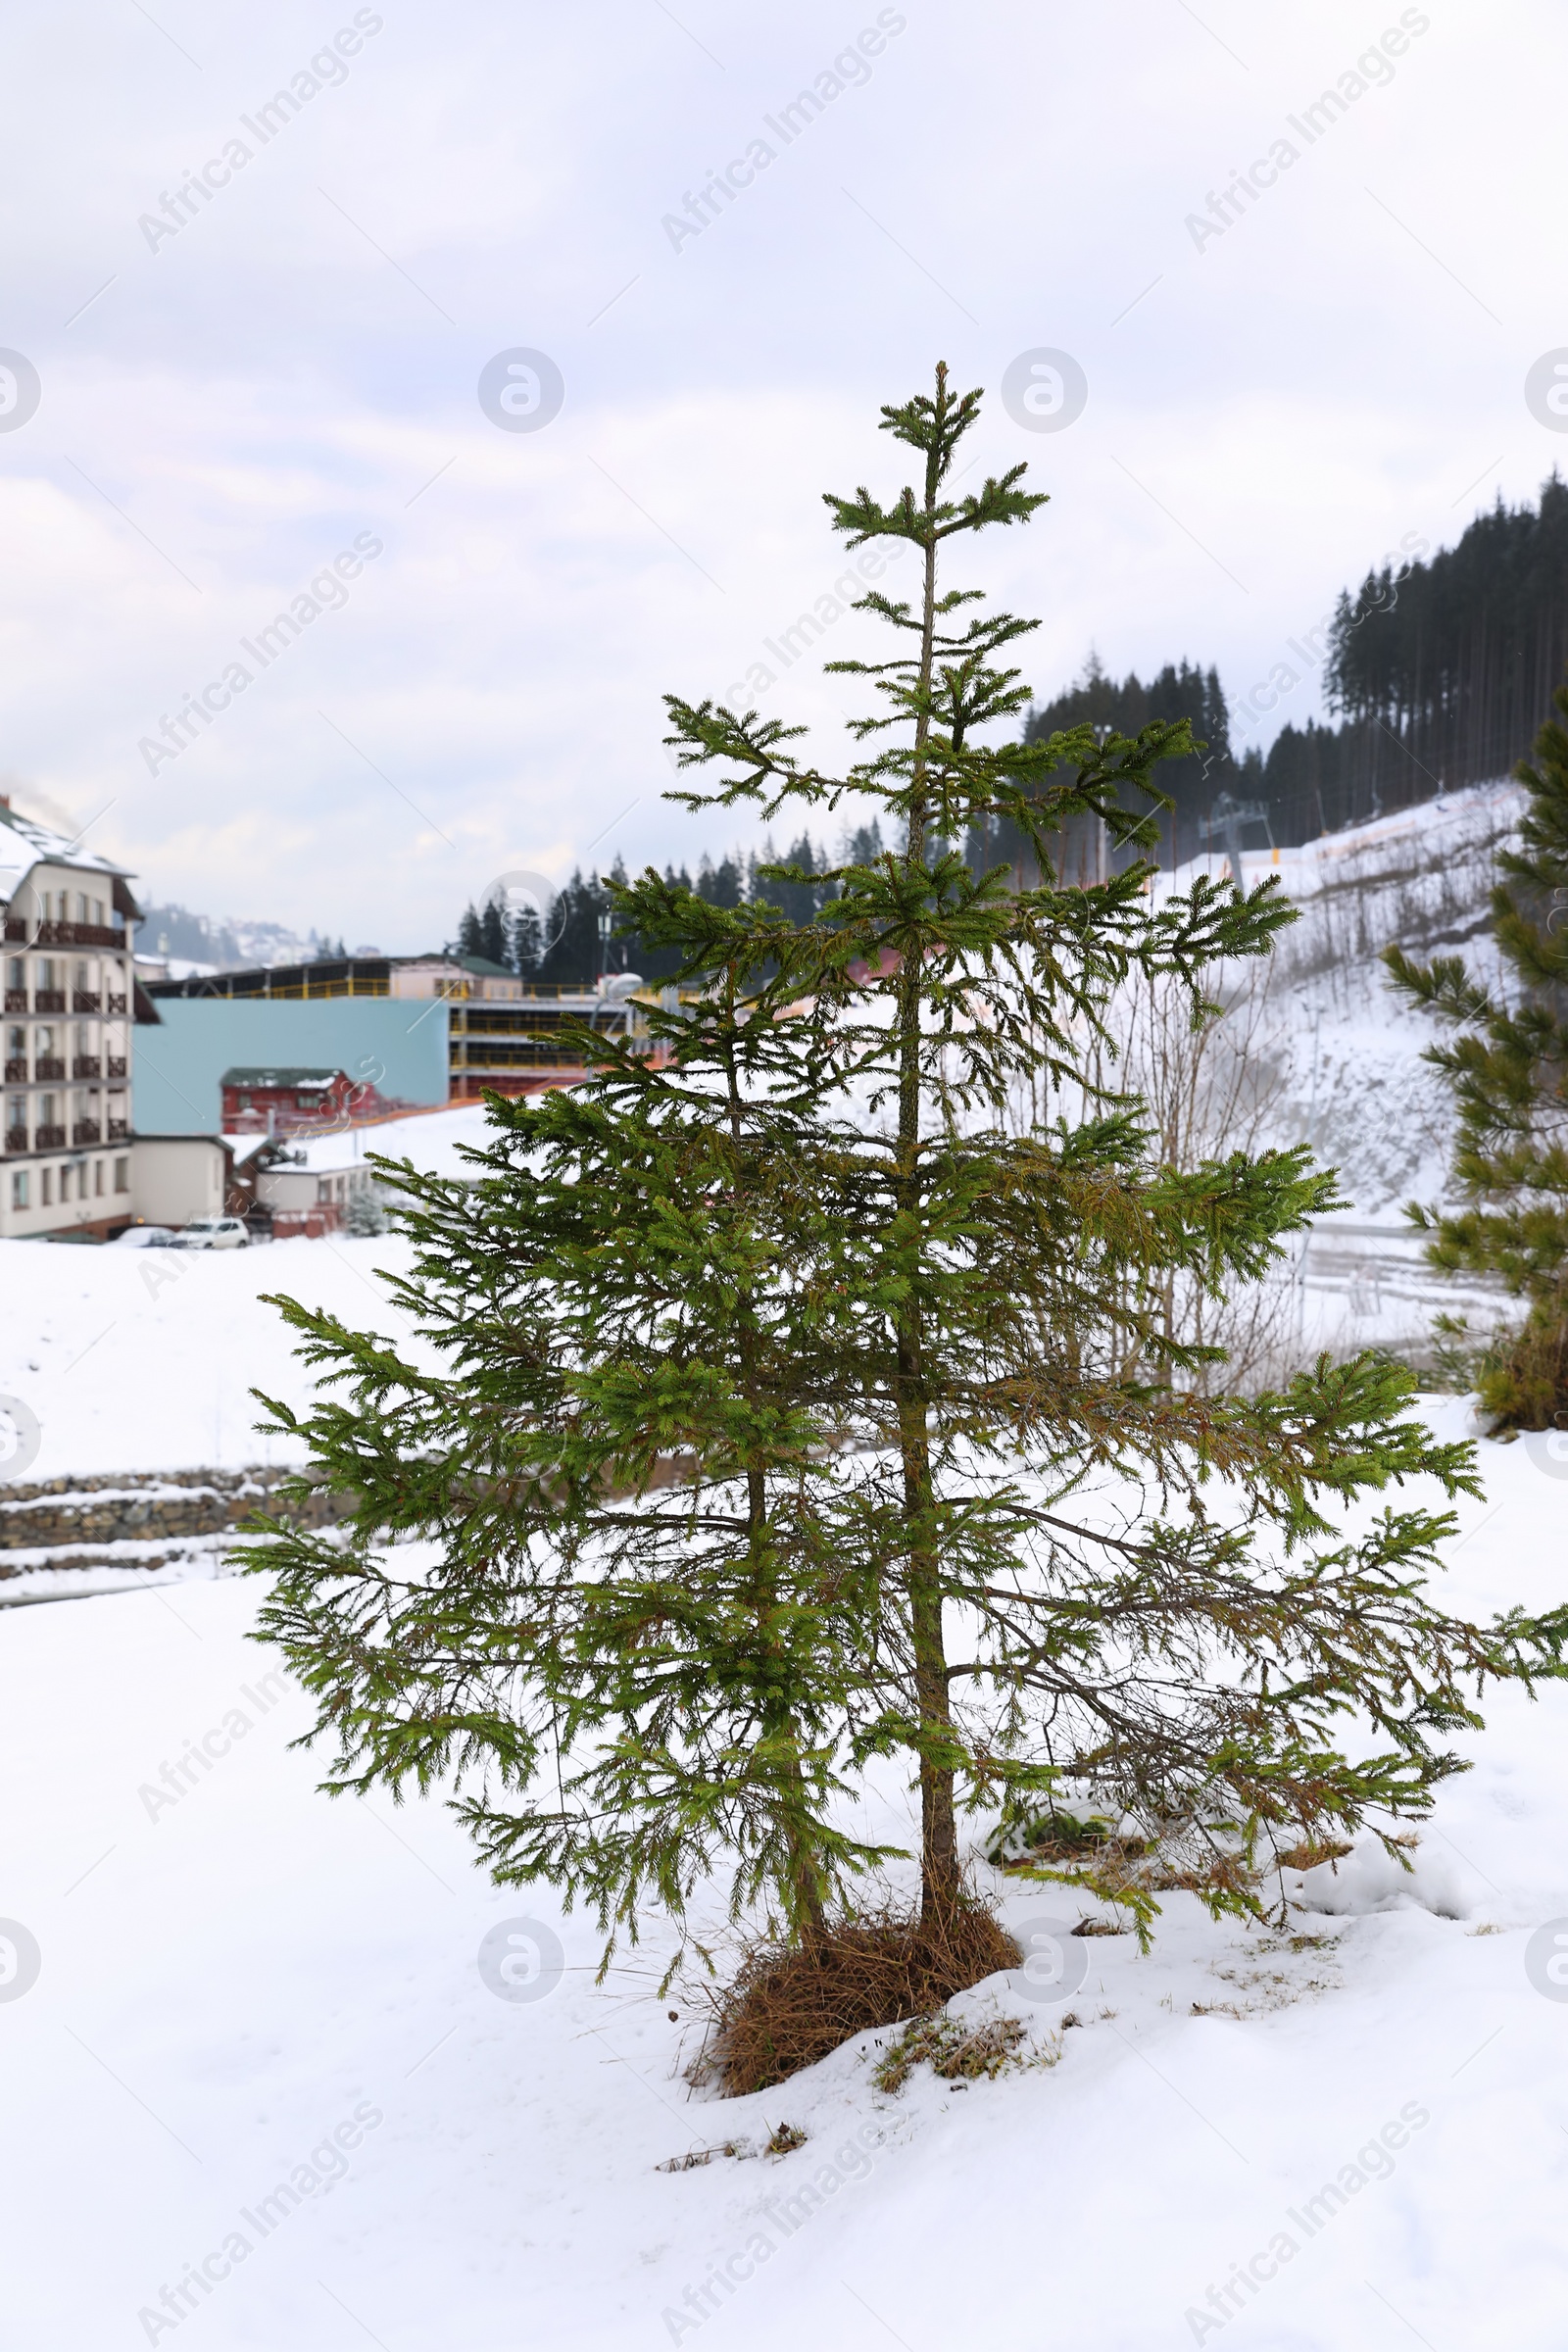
[236, 387]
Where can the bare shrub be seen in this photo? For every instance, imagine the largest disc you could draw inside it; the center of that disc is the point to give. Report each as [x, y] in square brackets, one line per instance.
[1208, 1092]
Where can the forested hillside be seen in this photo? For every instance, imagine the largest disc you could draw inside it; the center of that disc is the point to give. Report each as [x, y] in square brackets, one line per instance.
[1439, 673]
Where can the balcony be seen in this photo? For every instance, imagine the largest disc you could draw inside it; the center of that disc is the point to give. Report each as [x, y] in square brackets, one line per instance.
[116, 1066]
[88, 1065]
[114, 1005]
[50, 1065]
[87, 1131]
[49, 1139]
[84, 999]
[62, 935]
[17, 1072]
[116, 1131]
[49, 1000]
[16, 1000]
[16, 1139]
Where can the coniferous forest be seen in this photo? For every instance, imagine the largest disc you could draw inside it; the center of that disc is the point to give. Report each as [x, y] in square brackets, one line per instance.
[1440, 672]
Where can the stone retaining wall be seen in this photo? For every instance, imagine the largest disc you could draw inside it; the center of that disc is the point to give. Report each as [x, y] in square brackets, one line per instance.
[139, 1506]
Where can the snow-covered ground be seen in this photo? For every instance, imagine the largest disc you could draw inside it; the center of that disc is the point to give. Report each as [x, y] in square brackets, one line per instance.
[144, 1359]
[261, 2093]
[280, 2071]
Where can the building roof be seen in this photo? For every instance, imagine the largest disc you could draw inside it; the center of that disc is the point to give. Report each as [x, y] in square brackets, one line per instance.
[280, 1077]
[25, 843]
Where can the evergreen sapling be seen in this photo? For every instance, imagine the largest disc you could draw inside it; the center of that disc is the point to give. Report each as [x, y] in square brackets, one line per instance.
[780, 1409]
[1506, 1065]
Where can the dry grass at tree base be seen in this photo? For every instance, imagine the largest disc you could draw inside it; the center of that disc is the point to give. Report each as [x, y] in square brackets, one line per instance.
[792, 2004]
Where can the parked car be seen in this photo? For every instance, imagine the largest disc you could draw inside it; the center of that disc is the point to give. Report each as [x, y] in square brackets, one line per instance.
[148, 1237]
[215, 1232]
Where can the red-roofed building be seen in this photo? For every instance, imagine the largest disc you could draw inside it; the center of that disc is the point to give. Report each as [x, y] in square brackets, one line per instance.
[294, 1101]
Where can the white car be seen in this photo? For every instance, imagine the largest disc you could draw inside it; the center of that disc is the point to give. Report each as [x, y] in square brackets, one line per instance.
[216, 1233]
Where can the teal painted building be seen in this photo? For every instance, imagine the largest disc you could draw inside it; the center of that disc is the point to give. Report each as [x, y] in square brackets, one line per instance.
[397, 1043]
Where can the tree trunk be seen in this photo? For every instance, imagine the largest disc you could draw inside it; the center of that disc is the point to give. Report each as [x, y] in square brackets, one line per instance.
[939, 1844]
[805, 1876]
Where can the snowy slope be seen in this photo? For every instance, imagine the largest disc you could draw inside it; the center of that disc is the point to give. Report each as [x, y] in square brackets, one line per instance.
[1342, 1054]
[433, 1140]
[244, 1988]
[1350, 1051]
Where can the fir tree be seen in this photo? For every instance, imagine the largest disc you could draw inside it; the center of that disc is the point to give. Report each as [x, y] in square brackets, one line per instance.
[1507, 1067]
[787, 1409]
[792, 883]
[571, 960]
[525, 941]
[721, 884]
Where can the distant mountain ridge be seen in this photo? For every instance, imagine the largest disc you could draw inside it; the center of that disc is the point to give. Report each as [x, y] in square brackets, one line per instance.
[233, 944]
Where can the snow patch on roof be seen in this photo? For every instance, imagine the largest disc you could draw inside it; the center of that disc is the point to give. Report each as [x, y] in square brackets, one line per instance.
[25, 843]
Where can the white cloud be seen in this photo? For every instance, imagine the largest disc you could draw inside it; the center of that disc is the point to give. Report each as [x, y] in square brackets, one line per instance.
[1341, 367]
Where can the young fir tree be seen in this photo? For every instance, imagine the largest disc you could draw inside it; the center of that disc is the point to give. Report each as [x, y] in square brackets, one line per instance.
[1507, 1067]
[775, 1412]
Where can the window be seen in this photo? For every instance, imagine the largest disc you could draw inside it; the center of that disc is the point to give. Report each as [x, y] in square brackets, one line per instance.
[324, 1188]
[16, 977]
[98, 1178]
[98, 912]
[17, 1120]
[18, 1187]
[46, 1189]
[122, 1175]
